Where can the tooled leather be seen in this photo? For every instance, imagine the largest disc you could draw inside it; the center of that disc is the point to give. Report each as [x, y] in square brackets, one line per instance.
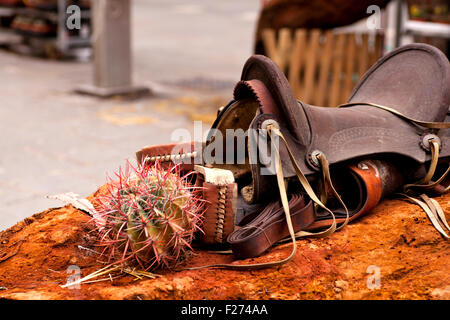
[219, 216]
[361, 131]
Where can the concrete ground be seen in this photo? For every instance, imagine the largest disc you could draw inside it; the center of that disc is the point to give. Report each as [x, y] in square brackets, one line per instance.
[54, 141]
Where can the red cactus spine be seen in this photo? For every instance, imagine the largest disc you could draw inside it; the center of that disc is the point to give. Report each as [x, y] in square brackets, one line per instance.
[149, 216]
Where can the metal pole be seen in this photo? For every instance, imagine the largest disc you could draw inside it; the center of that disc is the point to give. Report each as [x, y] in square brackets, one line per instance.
[111, 41]
[399, 23]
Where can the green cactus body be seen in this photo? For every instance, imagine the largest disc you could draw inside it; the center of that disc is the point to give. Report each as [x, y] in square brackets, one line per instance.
[151, 215]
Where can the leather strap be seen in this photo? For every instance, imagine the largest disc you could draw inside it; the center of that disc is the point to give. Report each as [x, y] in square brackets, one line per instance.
[433, 211]
[424, 183]
[273, 131]
[372, 183]
[269, 227]
[426, 124]
[290, 228]
[431, 206]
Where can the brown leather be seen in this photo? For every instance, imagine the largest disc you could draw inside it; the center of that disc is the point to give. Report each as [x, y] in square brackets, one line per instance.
[219, 216]
[367, 192]
[255, 89]
[391, 148]
[164, 154]
[269, 226]
[371, 152]
[421, 92]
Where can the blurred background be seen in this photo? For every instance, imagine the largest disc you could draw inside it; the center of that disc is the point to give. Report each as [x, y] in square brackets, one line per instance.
[85, 84]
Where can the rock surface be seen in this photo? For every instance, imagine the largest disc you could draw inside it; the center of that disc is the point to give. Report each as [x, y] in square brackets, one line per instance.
[396, 241]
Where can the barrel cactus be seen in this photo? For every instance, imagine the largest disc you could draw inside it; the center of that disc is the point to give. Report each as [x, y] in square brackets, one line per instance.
[149, 216]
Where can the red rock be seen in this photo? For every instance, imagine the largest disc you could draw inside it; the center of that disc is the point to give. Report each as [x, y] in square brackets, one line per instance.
[396, 237]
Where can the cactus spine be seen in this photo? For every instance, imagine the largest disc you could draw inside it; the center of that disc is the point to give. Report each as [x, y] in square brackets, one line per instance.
[149, 216]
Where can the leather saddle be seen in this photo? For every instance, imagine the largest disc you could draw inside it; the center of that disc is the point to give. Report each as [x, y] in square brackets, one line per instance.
[274, 167]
